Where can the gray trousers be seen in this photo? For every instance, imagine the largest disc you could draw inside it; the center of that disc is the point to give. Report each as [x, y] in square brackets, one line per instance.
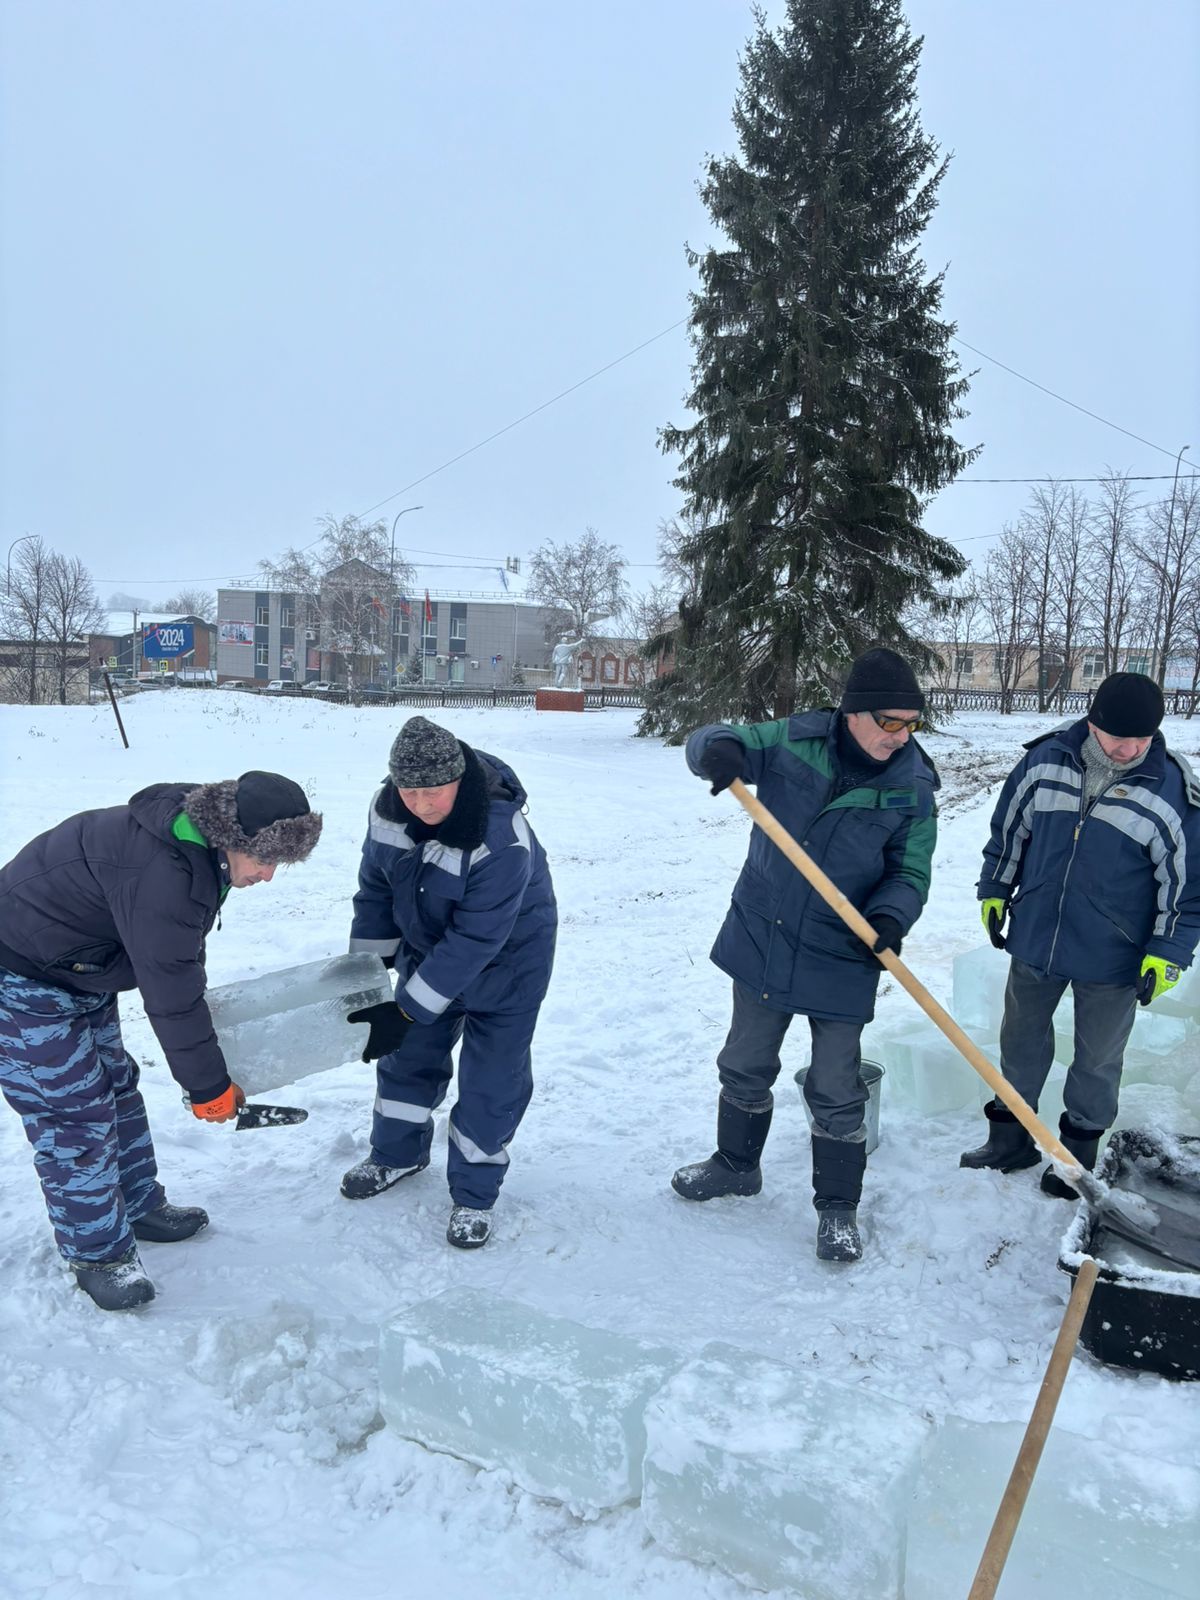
[1104, 1014]
[749, 1065]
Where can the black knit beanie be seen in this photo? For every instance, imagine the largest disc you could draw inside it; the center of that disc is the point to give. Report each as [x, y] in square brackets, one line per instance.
[425, 756]
[1128, 705]
[880, 680]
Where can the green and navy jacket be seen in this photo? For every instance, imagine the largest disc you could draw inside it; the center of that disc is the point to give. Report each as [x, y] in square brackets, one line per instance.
[875, 841]
[1090, 894]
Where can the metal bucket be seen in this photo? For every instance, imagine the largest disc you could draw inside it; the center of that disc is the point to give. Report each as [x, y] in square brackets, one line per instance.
[871, 1074]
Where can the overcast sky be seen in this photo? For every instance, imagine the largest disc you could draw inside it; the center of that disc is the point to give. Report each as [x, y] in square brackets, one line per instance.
[266, 260]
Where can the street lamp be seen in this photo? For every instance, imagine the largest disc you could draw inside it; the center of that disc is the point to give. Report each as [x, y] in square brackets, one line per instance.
[8, 560]
[1167, 557]
[392, 596]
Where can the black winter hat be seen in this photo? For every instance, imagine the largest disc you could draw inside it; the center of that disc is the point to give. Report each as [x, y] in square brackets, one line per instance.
[425, 756]
[880, 680]
[1128, 705]
[260, 814]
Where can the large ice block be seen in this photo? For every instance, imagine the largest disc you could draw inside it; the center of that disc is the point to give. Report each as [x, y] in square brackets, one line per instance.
[1100, 1520]
[781, 1478]
[926, 1073]
[288, 1024]
[979, 979]
[557, 1405]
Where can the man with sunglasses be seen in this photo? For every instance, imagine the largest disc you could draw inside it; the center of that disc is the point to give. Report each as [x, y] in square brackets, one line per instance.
[857, 791]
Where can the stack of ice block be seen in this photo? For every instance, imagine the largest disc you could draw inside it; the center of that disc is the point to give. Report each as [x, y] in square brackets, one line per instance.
[1098, 1519]
[558, 1405]
[291, 1023]
[781, 1478]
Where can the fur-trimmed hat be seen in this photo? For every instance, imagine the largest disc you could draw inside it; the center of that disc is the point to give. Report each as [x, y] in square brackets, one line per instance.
[425, 756]
[260, 814]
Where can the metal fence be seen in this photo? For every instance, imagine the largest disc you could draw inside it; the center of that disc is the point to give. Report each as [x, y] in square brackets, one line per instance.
[1074, 702]
[448, 695]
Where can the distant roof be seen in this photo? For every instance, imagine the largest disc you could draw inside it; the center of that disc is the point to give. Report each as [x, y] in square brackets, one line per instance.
[119, 623]
[460, 582]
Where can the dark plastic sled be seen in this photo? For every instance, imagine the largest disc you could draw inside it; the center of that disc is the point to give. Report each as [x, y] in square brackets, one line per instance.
[1144, 1313]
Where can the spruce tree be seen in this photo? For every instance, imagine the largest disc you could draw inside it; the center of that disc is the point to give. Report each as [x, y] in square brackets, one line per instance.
[823, 382]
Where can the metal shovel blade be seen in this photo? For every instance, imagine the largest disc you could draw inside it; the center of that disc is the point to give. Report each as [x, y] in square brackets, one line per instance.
[261, 1116]
[1164, 1230]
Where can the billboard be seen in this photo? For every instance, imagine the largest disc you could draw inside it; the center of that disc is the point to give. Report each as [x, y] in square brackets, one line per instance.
[235, 633]
[167, 639]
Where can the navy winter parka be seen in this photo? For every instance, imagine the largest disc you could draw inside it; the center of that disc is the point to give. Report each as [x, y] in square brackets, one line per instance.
[1089, 896]
[875, 841]
[470, 915]
[118, 899]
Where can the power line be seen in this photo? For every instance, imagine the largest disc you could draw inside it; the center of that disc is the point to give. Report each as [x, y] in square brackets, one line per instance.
[1125, 477]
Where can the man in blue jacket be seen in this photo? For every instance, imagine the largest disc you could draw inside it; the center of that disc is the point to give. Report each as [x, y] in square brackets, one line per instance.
[454, 891]
[858, 792]
[1094, 860]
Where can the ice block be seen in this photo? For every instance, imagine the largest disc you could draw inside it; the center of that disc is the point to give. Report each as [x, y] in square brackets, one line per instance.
[783, 1479]
[559, 1406]
[289, 1024]
[1101, 1520]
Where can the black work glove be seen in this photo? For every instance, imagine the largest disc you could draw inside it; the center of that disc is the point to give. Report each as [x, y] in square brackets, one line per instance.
[721, 762]
[889, 933]
[388, 1027]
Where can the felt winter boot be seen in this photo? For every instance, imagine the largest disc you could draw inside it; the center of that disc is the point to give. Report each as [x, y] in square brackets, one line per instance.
[733, 1167]
[1084, 1145]
[371, 1177]
[469, 1228]
[837, 1176]
[1008, 1149]
[168, 1223]
[120, 1285]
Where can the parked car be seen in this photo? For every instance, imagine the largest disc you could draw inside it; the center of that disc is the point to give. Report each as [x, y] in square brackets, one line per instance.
[374, 693]
[235, 683]
[318, 688]
[280, 686]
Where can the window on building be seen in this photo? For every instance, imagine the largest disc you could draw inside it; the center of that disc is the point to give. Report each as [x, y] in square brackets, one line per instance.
[1092, 666]
[609, 668]
[964, 663]
[458, 627]
[287, 617]
[262, 616]
[1138, 663]
[458, 670]
[429, 669]
[587, 669]
[262, 656]
[1000, 665]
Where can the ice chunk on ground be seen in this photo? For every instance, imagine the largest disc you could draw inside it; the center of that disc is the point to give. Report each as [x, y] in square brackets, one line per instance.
[557, 1405]
[289, 1024]
[979, 979]
[1132, 1521]
[926, 1073]
[781, 1478]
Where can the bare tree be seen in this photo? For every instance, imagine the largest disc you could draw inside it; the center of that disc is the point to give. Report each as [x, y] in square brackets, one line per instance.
[200, 603]
[1111, 567]
[579, 582]
[1170, 546]
[645, 616]
[73, 613]
[1068, 585]
[680, 551]
[23, 622]
[1005, 593]
[949, 631]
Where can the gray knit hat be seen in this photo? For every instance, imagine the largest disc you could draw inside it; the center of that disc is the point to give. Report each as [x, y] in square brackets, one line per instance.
[425, 756]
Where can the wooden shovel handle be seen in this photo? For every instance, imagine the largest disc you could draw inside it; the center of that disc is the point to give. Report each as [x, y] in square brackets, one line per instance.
[854, 919]
[995, 1552]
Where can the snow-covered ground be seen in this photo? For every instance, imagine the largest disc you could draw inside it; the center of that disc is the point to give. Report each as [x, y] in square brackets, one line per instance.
[226, 1443]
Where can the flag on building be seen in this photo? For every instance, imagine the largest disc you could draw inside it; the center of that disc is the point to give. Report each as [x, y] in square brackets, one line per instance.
[428, 608]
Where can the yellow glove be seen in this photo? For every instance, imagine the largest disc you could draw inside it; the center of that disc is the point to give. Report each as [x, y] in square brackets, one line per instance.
[993, 913]
[1156, 977]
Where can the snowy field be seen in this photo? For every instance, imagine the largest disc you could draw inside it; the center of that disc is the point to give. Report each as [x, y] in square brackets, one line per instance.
[226, 1443]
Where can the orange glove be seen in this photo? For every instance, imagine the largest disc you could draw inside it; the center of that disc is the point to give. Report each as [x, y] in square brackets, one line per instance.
[223, 1109]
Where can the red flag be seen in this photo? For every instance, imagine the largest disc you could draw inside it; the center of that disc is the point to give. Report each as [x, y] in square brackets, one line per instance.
[428, 608]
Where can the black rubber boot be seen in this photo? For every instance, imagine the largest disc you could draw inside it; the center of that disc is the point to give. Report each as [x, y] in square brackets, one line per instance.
[733, 1167]
[170, 1223]
[1084, 1145]
[1008, 1149]
[120, 1285]
[371, 1177]
[469, 1228]
[837, 1177]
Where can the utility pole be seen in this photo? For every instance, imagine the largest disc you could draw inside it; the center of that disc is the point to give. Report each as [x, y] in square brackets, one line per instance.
[392, 596]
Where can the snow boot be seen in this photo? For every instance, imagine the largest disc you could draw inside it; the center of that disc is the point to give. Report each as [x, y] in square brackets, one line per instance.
[838, 1238]
[733, 1167]
[167, 1223]
[371, 1177]
[469, 1228]
[837, 1177]
[1008, 1149]
[120, 1285]
[1084, 1145]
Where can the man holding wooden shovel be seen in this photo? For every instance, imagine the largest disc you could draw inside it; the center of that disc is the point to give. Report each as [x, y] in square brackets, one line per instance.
[115, 899]
[858, 792]
[1094, 864]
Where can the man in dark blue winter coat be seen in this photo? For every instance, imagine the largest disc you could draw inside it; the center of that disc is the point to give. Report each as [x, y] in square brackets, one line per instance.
[1094, 859]
[858, 792]
[111, 900]
[454, 890]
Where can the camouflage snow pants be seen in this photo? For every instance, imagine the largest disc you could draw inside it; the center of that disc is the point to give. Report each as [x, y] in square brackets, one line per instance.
[66, 1073]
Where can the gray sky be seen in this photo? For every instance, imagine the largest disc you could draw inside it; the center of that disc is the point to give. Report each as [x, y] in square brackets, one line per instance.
[264, 260]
